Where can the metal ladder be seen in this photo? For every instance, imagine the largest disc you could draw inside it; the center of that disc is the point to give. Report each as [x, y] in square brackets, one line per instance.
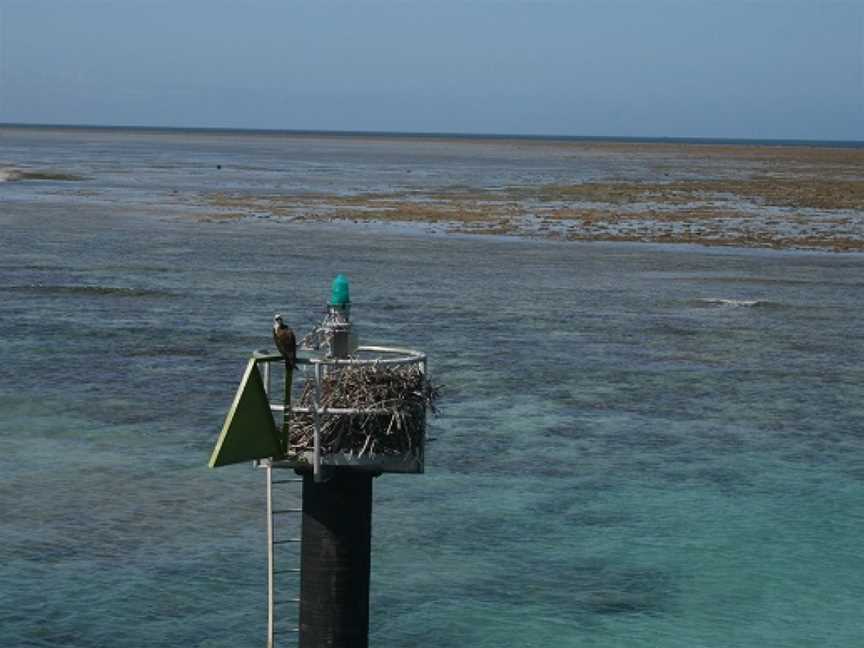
[277, 604]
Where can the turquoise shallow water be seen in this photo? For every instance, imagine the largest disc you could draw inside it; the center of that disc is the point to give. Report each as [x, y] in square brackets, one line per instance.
[621, 460]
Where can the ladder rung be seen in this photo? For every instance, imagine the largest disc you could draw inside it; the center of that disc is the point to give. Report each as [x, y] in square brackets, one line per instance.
[288, 510]
[288, 631]
[292, 570]
[275, 542]
[286, 481]
[284, 601]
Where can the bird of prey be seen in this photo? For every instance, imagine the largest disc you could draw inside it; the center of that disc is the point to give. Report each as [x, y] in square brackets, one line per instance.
[285, 341]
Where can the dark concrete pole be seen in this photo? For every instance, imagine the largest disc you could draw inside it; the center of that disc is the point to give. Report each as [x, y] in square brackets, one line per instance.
[336, 544]
[335, 560]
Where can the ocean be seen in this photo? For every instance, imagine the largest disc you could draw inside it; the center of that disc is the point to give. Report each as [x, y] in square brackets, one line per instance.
[638, 444]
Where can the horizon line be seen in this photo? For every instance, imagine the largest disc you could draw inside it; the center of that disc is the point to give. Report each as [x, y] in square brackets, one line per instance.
[440, 134]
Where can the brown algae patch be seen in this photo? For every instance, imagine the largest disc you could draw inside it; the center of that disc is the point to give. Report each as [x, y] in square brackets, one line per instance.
[815, 194]
[631, 213]
[218, 217]
[749, 213]
[773, 197]
[12, 175]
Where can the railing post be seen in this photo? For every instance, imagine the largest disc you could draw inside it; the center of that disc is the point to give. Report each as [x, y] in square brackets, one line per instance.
[271, 567]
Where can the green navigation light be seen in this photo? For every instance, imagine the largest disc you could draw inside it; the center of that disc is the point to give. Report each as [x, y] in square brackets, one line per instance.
[340, 295]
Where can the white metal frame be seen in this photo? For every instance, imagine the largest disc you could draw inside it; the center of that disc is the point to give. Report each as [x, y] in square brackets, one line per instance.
[382, 356]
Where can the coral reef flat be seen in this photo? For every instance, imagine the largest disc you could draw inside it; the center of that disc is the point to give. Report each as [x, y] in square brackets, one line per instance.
[752, 196]
[765, 195]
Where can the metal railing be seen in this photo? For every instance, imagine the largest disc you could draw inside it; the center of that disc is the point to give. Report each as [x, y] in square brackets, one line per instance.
[320, 365]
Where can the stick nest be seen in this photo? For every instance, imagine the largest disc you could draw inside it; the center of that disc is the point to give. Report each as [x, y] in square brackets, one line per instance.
[399, 396]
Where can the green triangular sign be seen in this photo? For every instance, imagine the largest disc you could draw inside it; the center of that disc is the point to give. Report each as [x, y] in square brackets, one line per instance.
[249, 432]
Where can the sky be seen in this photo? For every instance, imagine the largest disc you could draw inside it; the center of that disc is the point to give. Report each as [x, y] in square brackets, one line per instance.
[787, 69]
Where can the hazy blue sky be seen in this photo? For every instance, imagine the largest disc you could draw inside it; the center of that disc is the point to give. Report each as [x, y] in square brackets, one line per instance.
[715, 68]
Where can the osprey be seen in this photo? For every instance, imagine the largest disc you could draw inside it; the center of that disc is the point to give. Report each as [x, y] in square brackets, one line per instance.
[285, 341]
